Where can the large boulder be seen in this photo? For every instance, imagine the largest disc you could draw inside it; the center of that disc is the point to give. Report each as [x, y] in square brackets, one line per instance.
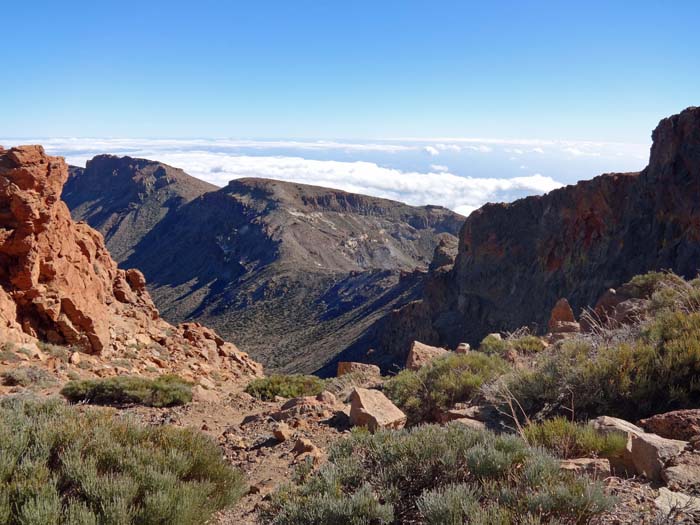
[372, 409]
[683, 473]
[679, 424]
[422, 354]
[645, 454]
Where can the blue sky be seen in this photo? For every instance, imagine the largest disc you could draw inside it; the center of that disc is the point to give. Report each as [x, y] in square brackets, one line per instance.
[452, 103]
[551, 70]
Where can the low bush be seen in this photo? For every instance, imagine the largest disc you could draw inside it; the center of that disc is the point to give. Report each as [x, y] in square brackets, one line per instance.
[567, 439]
[439, 385]
[61, 466]
[522, 344]
[162, 391]
[654, 368]
[28, 376]
[293, 385]
[436, 475]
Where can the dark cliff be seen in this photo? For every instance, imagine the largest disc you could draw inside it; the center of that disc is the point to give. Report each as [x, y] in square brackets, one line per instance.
[515, 260]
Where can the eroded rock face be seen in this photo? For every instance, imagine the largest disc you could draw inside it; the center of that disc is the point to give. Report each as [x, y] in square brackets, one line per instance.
[516, 260]
[59, 284]
[59, 274]
[679, 424]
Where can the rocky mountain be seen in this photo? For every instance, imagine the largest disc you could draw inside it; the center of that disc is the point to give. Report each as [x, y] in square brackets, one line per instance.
[124, 198]
[516, 260]
[296, 274]
[59, 284]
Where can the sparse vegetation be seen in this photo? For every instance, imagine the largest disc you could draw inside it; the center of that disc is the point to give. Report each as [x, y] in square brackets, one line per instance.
[436, 475]
[162, 391]
[294, 385]
[522, 343]
[61, 466]
[653, 369]
[28, 376]
[7, 353]
[567, 439]
[447, 380]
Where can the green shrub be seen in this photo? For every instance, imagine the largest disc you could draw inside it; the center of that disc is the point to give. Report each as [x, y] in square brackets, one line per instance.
[436, 475]
[28, 376]
[493, 345]
[439, 385]
[527, 344]
[62, 466]
[656, 371]
[567, 439]
[162, 391]
[7, 352]
[294, 385]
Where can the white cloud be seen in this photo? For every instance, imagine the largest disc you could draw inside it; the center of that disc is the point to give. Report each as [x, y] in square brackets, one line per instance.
[439, 167]
[537, 150]
[432, 151]
[578, 152]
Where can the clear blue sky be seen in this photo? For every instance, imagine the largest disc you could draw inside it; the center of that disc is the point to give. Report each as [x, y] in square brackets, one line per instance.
[558, 70]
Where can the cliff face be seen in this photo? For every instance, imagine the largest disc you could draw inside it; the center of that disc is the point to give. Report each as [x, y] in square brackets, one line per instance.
[515, 260]
[124, 198]
[59, 284]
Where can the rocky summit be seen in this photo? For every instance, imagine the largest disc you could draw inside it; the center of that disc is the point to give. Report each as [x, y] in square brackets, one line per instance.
[296, 274]
[59, 285]
[515, 261]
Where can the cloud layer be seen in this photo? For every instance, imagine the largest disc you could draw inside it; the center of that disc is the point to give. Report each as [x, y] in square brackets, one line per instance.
[401, 169]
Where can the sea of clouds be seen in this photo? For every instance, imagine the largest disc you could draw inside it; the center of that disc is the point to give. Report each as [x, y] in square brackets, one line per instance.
[459, 173]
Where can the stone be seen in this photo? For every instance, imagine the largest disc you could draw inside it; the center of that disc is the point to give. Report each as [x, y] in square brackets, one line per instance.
[669, 502]
[74, 358]
[473, 412]
[303, 446]
[372, 409]
[282, 432]
[650, 453]
[683, 473]
[421, 354]
[470, 423]
[327, 398]
[350, 367]
[596, 468]
[679, 424]
[462, 348]
[645, 454]
[203, 395]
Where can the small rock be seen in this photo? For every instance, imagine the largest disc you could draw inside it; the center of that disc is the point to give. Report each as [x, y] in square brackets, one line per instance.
[669, 501]
[74, 358]
[303, 445]
[462, 348]
[683, 473]
[326, 397]
[202, 395]
[282, 432]
[470, 423]
[595, 468]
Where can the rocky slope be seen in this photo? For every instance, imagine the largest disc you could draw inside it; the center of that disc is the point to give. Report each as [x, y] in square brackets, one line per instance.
[59, 284]
[124, 198]
[295, 273]
[515, 260]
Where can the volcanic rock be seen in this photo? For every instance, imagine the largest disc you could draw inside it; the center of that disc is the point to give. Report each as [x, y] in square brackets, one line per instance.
[372, 409]
[420, 355]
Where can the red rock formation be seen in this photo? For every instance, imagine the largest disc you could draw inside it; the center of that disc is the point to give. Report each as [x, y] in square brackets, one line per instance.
[59, 284]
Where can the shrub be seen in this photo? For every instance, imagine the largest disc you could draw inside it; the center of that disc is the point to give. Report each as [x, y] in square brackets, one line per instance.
[294, 385]
[655, 370]
[62, 466]
[522, 344]
[567, 439]
[28, 376]
[162, 391]
[436, 475]
[493, 345]
[439, 385]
